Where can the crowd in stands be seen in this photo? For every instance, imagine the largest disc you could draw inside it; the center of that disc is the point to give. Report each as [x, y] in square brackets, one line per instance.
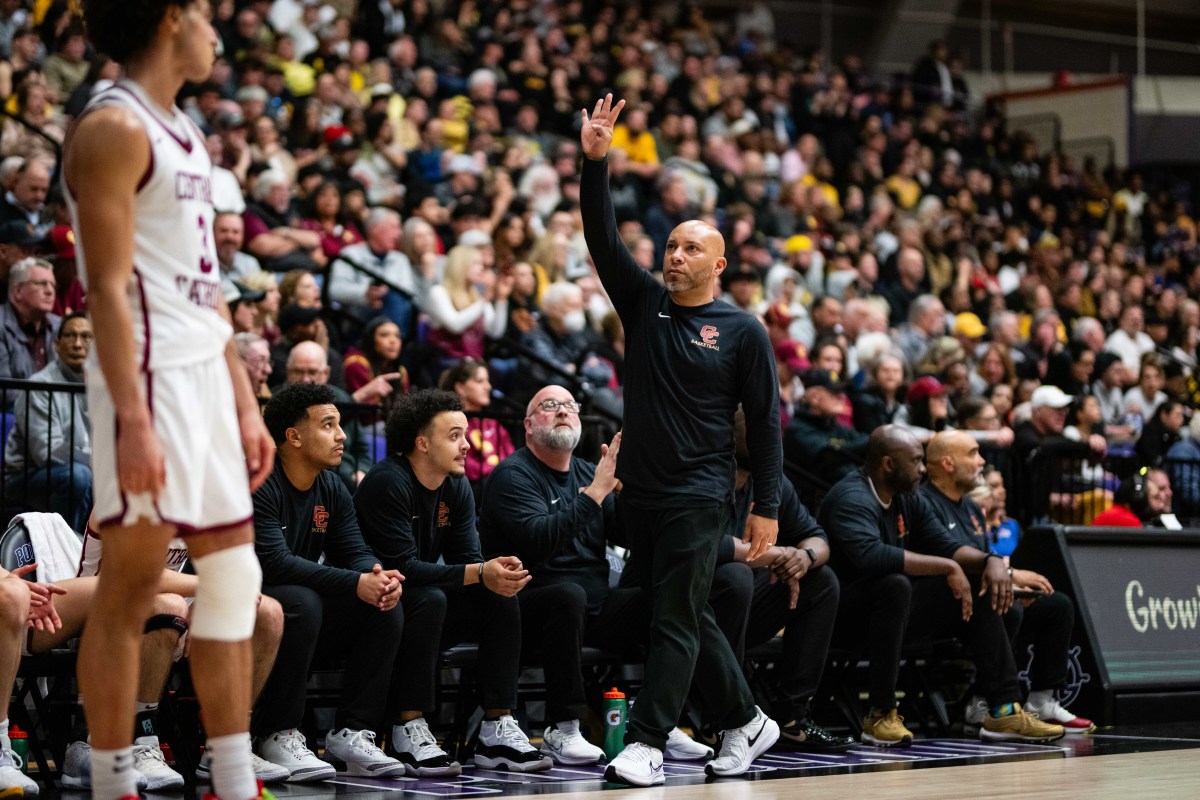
[398, 193]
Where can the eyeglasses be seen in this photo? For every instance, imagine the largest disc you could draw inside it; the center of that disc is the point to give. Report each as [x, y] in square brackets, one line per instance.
[552, 406]
[51, 285]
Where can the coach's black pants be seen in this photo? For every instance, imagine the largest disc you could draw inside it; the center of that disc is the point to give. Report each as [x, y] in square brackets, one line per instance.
[556, 624]
[435, 619]
[332, 627]
[674, 553]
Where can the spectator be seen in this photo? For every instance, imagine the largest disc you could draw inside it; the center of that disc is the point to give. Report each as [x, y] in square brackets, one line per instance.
[255, 353]
[267, 320]
[48, 455]
[228, 236]
[490, 441]
[926, 320]
[1142, 401]
[299, 287]
[336, 597]
[814, 439]
[992, 367]
[902, 294]
[25, 200]
[243, 307]
[1160, 434]
[1130, 341]
[37, 138]
[563, 339]
[461, 317]
[1183, 468]
[327, 217]
[878, 404]
[273, 233]
[26, 323]
[1108, 388]
[373, 370]
[67, 67]
[298, 324]
[1003, 532]
[18, 241]
[379, 259]
[418, 515]
[926, 410]
[1043, 455]
[1141, 501]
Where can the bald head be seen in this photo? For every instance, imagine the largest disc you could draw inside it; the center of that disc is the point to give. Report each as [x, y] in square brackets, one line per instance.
[693, 258]
[889, 441]
[552, 434]
[308, 363]
[551, 392]
[954, 463]
[895, 461]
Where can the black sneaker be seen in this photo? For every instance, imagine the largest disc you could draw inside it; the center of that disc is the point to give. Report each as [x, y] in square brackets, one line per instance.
[812, 738]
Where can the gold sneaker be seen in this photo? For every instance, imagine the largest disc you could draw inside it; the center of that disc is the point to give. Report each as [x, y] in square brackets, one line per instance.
[1019, 726]
[886, 730]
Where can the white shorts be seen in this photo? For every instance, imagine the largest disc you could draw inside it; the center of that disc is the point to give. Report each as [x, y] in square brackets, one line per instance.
[195, 417]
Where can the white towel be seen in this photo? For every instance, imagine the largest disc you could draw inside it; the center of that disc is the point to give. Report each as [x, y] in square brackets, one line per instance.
[56, 547]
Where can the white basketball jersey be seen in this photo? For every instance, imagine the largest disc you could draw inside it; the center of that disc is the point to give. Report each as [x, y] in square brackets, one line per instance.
[93, 553]
[175, 289]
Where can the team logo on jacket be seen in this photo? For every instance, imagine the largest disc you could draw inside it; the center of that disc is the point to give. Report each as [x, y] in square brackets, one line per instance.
[708, 338]
[443, 517]
[320, 519]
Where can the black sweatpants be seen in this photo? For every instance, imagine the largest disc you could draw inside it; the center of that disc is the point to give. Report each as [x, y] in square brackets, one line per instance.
[873, 614]
[674, 553]
[1045, 624]
[435, 619]
[555, 625]
[332, 627]
[807, 631]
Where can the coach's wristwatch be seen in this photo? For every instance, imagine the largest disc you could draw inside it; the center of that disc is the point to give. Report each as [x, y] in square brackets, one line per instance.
[812, 557]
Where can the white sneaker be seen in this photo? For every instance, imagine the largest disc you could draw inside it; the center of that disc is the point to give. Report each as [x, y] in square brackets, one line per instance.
[417, 749]
[740, 746]
[637, 765]
[264, 770]
[681, 747]
[355, 753]
[974, 715]
[77, 768]
[149, 761]
[11, 776]
[1050, 711]
[502, 743]
[566, 745]
[288, 750]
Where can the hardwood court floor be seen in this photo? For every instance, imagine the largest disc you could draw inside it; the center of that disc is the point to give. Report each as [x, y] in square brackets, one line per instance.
[1156, 762]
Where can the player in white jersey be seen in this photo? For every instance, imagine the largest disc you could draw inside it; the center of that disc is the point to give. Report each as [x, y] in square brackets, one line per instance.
[174, 417]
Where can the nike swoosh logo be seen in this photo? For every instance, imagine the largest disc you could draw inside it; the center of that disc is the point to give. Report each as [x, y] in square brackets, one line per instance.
[555, 500]
[761, 728]
[951, 526]
[664, 316]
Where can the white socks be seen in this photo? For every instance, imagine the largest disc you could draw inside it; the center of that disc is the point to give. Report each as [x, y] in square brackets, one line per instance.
[113, 776]
[232, 773]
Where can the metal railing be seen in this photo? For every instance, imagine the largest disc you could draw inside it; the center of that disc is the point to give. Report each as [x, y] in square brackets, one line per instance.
[43, 480]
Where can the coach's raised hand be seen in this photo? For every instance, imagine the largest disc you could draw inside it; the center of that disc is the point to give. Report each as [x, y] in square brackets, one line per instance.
[597, 132]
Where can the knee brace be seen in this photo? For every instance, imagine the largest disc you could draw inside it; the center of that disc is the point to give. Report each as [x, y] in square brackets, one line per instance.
[166, 622]
[228, 582]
